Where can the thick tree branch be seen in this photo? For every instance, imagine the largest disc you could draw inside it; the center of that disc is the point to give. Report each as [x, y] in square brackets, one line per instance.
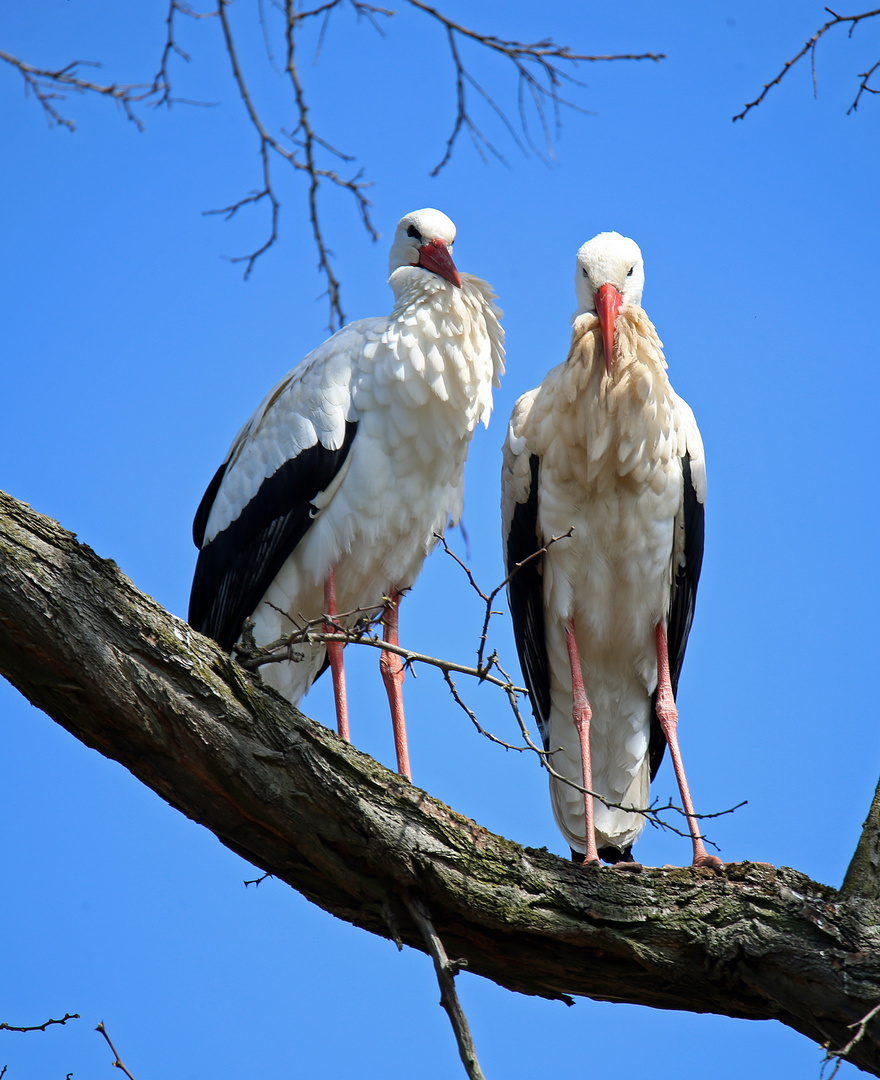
[138, 685]
[863, 874]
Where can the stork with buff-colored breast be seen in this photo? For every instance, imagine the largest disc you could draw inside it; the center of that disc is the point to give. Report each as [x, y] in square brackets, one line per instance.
[604, 478]
[337, 488]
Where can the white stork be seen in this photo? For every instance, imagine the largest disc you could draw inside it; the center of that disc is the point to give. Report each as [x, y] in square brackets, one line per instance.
[605, 449]
[335, 490]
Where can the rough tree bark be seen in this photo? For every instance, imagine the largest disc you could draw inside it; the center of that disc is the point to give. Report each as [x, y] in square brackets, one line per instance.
[135, 683]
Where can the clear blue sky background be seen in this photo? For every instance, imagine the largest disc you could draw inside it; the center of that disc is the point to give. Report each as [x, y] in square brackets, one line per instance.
[132, 351]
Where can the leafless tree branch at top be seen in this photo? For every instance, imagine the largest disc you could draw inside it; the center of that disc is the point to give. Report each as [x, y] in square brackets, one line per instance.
[51, 86]
[810, 47]
[542, 68]
[540, 76]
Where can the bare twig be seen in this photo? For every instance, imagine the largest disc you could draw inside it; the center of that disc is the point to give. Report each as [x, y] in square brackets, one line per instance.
[258, 881]
[865, 76]
[305, 139]
[304, 135]
[52, 86]
[489, 598]
[316, 632]
[277, 651]
[810, 47]
[161, 80]
[539, 74]
[837, 1056]
[117, 1063]
[40, 1027]
[446, 970]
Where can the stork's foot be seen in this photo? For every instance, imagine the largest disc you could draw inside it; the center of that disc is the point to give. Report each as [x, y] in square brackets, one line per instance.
[581, 859]
[621, 859]
[712, 862]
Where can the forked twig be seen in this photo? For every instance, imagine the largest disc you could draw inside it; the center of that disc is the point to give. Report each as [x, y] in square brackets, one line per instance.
[539, 73]
[117, 1062]
[258, 881]
[810, 47]
[446, 971]
[837, 1056]
[51, 86]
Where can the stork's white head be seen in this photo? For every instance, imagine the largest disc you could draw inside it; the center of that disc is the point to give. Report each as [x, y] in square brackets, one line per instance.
[424, 238]
[610, 272]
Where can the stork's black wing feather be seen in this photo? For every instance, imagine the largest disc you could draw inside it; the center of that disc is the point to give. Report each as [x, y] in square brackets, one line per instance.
[237, 566]
[525, 592]
[684, 596]
[200, 521]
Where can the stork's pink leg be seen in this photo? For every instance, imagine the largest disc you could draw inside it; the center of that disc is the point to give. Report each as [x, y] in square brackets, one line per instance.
[392, 675]
[581, 715]
[667, 713]
[334, 652]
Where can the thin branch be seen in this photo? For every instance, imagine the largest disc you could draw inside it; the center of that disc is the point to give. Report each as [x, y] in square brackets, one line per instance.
[258, 881]
[51, 86]
[305, 139]
[537, 72]
[117, 1063]
[542, 51]
[308, 141]
[40, 1027]
[161, 80]
[837, 1056]
[810, 47]
[865, 76]
[446, 970]
[489, 598]
[266, 142]
[277, 651]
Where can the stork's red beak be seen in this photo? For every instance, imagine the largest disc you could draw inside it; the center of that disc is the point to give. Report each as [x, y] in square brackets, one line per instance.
[434, 256]
[608, 301]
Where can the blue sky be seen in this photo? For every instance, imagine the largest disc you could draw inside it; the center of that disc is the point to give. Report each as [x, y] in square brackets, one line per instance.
[132, 351]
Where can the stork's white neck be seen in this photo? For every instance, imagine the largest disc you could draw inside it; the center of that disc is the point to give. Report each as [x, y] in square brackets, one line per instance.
[447, 337]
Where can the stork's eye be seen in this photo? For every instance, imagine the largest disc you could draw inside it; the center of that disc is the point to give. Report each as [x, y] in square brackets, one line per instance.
[413, 232]
[629, 272]
[584, 271]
